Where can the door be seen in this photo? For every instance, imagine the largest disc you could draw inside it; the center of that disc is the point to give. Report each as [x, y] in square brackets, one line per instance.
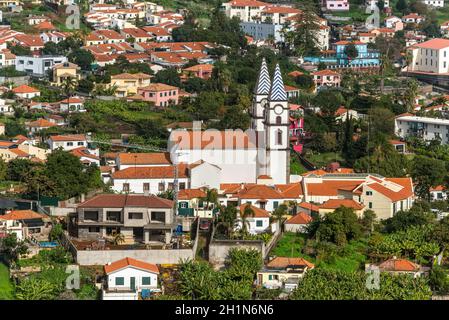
[133, 283]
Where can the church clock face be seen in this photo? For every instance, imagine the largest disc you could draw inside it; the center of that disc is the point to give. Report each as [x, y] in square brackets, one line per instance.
[278, 109]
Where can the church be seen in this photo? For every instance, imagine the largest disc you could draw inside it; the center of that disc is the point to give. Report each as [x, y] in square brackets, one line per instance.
[260, 154]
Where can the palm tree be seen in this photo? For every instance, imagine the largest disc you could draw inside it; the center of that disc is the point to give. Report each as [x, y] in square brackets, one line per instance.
[247, 212]
[119, 238]
[279, 213]
[211, 198]
[227, 217]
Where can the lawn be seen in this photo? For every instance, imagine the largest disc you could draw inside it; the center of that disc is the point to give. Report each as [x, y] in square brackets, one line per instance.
[353, 259]
[295, 166]
[323, 159]
[442, 14]
[6, 287]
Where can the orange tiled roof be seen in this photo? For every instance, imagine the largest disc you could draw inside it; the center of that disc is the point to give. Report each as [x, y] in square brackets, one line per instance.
[291, 190]
[337, 203]
[151, 172]
[144, 158]
[399, 265]
[309, 206]
[326, 72]
[68, 137]
[258, 212]
[22, 215]
[156, 87]
[24, 89]
[284, 262]
[331, 187]
[130, 262]
[41, 123]
[188, 194]
[405, 193]
[259, 191]
[300, 218]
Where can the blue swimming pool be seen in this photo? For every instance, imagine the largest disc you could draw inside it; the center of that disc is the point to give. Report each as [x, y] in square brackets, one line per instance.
[48, 244]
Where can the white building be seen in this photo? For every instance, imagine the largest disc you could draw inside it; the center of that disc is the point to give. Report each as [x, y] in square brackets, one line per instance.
[244, 156]
[259, 222]
[431, 56]
[245, 10]
[67, 142]
[434, 3]
[128, 277]
[38, 66]
[423, 127]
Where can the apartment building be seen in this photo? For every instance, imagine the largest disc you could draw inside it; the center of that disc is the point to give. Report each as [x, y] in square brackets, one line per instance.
[140, 218]
[38, 66]
[431, 56]
[422, 127]
[245, 10]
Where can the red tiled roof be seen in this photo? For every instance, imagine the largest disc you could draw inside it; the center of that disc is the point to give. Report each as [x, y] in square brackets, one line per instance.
[24, 89]
[435, 44]
[188, 194]
[41, 123]
[284, 262]
[151, 172]
[405, 193]
[126, 200]
[337, 203]
[300, 218]
[258, 212]
[399, 265]
[68, 137]
[309, 206]
[144, 158]
[130, 262]
[22, 215]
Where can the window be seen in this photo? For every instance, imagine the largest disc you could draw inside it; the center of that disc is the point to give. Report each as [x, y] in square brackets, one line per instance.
[183, 205]
[279, 137]
[69, 144]
[146, 281]
[94, 229]
[278, 120]
[275, 204]
[157, 216]
[182, 185]
[259, 223]
[369, 193]
[120, 281]
[113, 216]
[135, 215]
[125, 187]
[370, 205]
[146, 187]
[170, 186]
[80, 143]
[91, 215]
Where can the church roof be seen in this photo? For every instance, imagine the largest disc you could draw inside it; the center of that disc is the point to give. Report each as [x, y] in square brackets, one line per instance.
[277, 91]
[263, 82]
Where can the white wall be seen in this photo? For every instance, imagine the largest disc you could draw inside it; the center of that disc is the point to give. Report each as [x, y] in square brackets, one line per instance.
[136, 185]
[129, 272]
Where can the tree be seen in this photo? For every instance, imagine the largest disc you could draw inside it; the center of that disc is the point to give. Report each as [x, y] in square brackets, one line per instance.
[279, 214]
[426, 173]
[20, 50]
[3, 169]
[82, 58]
[381, 5]
[402, 220]
[351, 51]
[305, 82]
[337, 227]
[13, 248]
[438, 280]
[401, 5]
[247, 212]
[168, 76]
[119, 238]
[51, 48]
[36, 289]
[227, 218]
[56, 232]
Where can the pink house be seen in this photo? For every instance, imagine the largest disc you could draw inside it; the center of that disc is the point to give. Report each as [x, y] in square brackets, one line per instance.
[328, 78]
[336, 5]
[161, 94]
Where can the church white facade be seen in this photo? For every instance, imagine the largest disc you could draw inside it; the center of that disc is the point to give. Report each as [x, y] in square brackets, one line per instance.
[261, 152]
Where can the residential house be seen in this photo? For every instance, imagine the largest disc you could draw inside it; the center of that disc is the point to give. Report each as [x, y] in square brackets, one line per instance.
[335, 5]
[24, 223]
[152, 180]
[140, 218]
[131, 160]
[298, 223]
[128, 83]
[430, 57]
[26, 92]
[326, 78]
[162, 95]
[434, 3]
[426, 128]
[139, 35]
[343, 114]
[438, 193]
[67, 142]
[292, 92]
[86, 156]
[63, 71]
[412, 18]
[246, 10]
[283, 272]
[398, 266]
[72, 104]
[203, 71]
[128, 277]
[394, 22]
[192, 203]
[38, 66]
[38, 125]
[158, 33]
[399, 146]
[332, 204]
[257, 222]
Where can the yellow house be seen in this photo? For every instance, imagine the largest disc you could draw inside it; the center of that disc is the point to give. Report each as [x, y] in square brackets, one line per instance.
[332, 204]
[283, 272]
[62, 71]
[126, 84]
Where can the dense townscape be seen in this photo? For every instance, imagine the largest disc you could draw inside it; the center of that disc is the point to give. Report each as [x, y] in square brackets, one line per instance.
[207, 150]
